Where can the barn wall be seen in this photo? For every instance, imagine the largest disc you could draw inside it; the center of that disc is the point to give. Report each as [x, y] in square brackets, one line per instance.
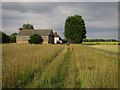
[51, 39]
[22, 39]
[45, 38]
[45, 42]
[56, 39]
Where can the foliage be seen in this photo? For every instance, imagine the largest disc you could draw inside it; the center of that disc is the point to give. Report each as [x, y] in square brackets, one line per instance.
[5, 38]
[26, 26]
[75, 30]
[64, 41]
[20, 29]
[36, 39]
[13, 38]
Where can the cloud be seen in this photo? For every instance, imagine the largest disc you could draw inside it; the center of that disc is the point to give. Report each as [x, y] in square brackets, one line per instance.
[98, 16]
[60, 0]
[0, 16]
[105, 35]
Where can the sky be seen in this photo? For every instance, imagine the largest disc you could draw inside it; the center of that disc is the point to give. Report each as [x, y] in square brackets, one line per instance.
[101, 18]
[60, 0]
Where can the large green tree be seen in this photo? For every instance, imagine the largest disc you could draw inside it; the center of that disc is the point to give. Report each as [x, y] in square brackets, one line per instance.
[75, 30]
[26, 26]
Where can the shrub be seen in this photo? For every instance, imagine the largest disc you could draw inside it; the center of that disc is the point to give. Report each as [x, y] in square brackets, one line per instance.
[35, 39]
[5, 38]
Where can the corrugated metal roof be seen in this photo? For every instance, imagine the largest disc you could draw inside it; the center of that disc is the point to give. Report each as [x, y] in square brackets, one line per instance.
[29, 32]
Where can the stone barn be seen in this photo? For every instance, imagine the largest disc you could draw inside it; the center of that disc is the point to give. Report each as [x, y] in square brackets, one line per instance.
[46, 34]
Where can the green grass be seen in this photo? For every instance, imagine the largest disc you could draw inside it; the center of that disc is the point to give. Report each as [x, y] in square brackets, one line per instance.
[100, 43]
[58, 66]
[95, 69]
[113, 49]
[22, 61]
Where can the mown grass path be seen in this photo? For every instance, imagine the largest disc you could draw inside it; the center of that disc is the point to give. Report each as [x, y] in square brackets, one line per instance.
[54, 73]
[42, 68]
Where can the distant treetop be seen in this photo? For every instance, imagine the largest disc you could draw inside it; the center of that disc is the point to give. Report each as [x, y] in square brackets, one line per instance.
[26, 26]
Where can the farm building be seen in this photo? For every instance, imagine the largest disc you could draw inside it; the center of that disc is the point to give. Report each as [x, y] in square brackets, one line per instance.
[57, 38]
[46, 34]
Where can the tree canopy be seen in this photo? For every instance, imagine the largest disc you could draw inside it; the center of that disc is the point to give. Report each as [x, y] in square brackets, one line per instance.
[35, 39]
[5, 37]
[75, 30]
[26, 26]
[13, 38]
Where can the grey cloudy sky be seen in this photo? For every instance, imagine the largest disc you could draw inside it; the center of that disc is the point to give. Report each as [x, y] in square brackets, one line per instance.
[101, 18]
[60, 0]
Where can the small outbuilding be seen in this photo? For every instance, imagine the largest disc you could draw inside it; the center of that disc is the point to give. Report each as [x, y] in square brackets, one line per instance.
[57, 38]
[46, 34]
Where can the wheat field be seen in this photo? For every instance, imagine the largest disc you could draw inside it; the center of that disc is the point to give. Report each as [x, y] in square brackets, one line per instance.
[58, 66]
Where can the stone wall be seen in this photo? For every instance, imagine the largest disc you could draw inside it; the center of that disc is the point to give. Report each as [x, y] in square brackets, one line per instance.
[24, 39]
[45, 38]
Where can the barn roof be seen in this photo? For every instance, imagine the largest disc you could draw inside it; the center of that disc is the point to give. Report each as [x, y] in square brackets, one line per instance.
[29, 32]
[56, 35]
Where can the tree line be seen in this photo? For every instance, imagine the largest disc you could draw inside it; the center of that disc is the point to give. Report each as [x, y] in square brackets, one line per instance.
[35, 38]
[12, 38]
[74, 32]
[100, 40]
[7, 39]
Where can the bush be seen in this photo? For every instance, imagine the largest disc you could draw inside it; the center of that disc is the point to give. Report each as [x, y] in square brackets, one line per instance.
[5, 38]
[35, 39]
